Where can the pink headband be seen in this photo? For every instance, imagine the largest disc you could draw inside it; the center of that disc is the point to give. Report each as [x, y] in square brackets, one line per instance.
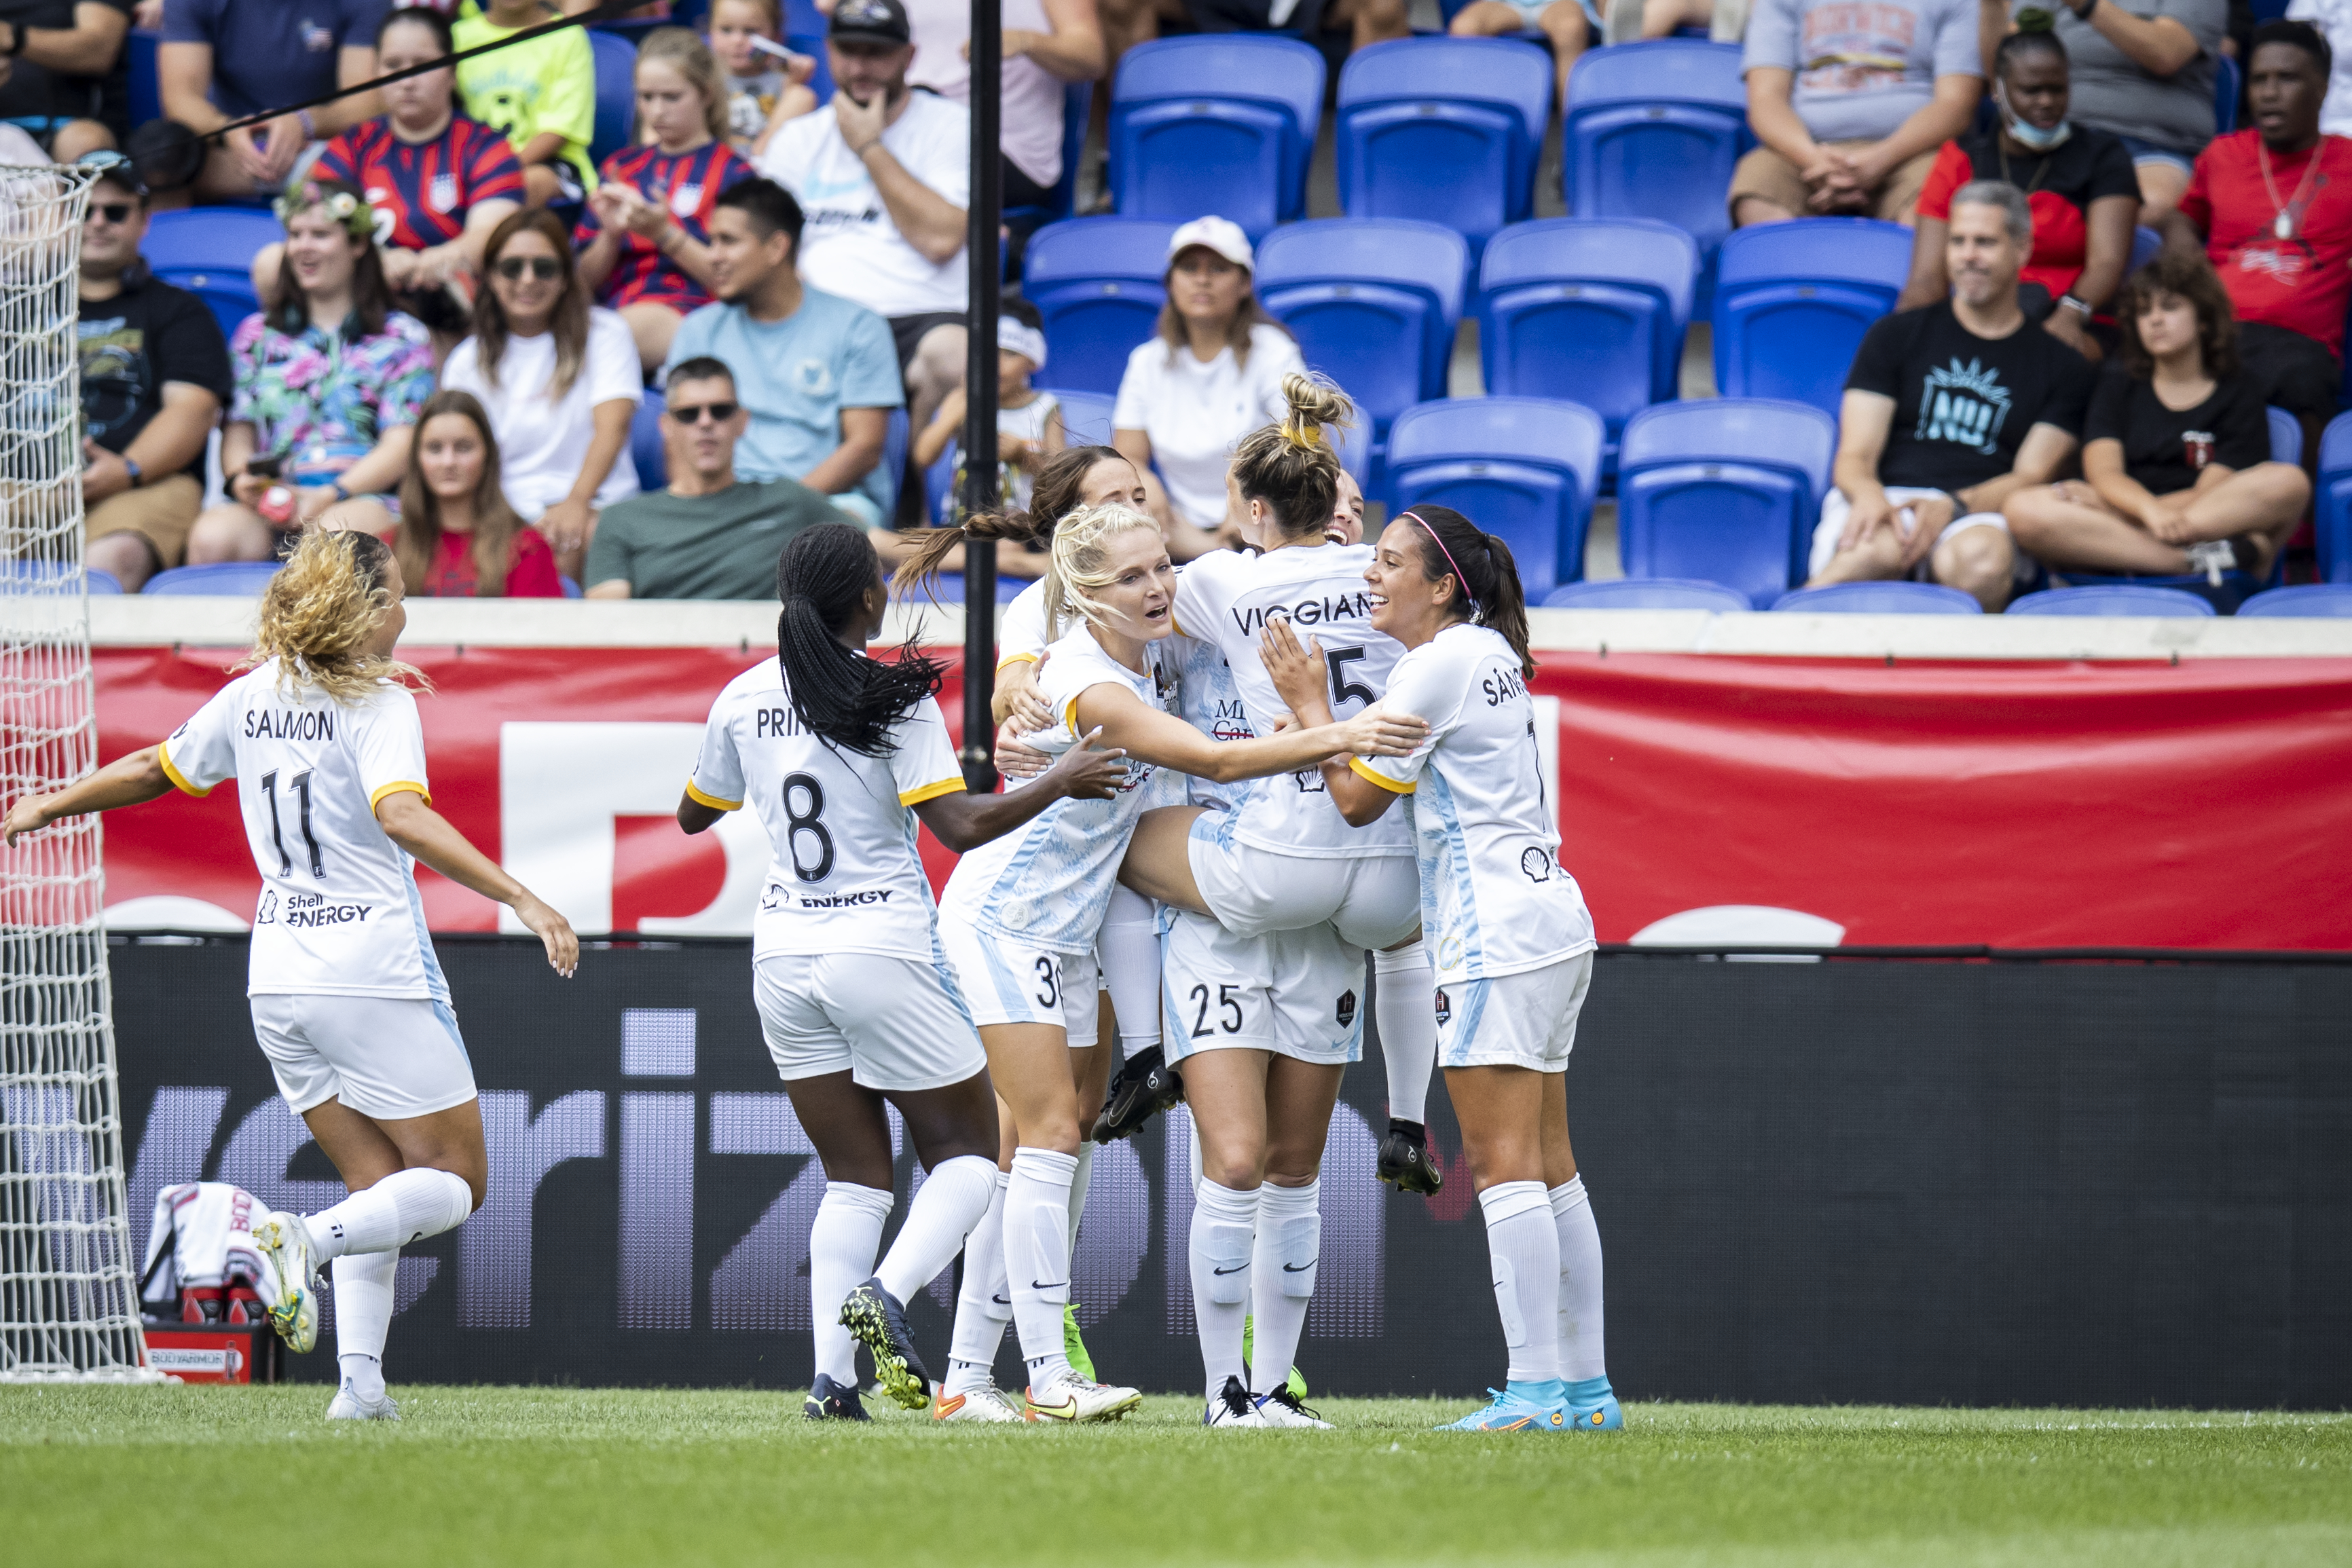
[1458, 574]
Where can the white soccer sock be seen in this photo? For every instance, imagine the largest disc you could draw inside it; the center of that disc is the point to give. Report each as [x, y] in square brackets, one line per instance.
[1224, 1233]
[843, 1240]
[954, 1194]
[405, 1206]
[1405, 1008]
[983, 1306]
[1037, 1256]
[1281, 1278]
[1581, 1356]
[1128, 948]
[1080, 1184]
[363, 1318]
[1524, 1249]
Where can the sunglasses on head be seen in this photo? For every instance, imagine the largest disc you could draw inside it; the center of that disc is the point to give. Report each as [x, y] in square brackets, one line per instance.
[692, 413]
[113, 211]
[546, 269]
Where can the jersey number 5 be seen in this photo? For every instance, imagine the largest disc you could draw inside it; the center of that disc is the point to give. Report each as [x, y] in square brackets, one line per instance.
[1343, 690]
[300, 784]
[799, 824]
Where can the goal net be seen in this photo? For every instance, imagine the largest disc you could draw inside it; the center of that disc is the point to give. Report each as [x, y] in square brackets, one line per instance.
[69, 1301]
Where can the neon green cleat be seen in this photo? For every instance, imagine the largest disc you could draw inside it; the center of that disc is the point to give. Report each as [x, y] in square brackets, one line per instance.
[1074, 1349]
[1296, 1383]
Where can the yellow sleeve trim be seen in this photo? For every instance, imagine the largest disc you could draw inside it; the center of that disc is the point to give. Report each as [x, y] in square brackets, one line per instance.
[1356, 765]
[179, 780]
[931, 791]
[1178, 624]
[713, 801]
[1010, 660]
[377, 798]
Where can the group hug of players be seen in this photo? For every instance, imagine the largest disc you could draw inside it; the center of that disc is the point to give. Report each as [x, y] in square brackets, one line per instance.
[1230, 784]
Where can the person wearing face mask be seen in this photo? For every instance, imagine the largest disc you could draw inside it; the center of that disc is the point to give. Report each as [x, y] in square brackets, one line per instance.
[2078, 183]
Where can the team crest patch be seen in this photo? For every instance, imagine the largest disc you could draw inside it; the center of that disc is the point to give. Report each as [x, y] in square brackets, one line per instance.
[813, 377]
[441, 195]
[686, 198]
[1444, 1006]
[1346, 1008]
[268, 913]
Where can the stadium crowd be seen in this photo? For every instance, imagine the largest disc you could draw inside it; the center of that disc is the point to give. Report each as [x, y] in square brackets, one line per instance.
[783, 274]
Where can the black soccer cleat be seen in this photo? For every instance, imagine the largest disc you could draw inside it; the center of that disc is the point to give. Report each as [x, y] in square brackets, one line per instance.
[1145, 1086]
[875, 1320]
[1404, 1162]
[831, 1401]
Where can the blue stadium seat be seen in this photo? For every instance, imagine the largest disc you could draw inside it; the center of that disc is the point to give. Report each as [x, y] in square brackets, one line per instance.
[571, 588]
[1725, 489]
[2332, 506]
[802, 16]
[820, 81]
[633, 28]
[1217, 122]
[1589, 308]
[1793, 299]
[1526, 469]
[1646, 593]
[2145, 243]
[57, 577]
[1373, 302]
[209, 251]
[1447, 131]
[145, 86]
[2226, 82]
[2305, 601]
[102, 582]
[1085, 418]
[616, 93]
[950, 590]
[1098, 283]
[896, 439]
[2112, 598]
[1078, 104]
[220, 580]
[1652, 130]
[1878, 598]
[645, 448]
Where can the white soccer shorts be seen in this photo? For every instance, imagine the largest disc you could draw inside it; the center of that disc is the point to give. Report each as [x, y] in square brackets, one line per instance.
[388, 1058]
[890, 1023]
[1373, 901]
[1007, 980]
[1526, 1020]
[1296, 993]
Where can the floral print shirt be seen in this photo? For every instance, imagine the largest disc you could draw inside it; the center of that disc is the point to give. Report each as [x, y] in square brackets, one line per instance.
[323, 400]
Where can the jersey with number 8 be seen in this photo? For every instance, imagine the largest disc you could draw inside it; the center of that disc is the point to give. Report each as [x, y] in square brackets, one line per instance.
[340, 914]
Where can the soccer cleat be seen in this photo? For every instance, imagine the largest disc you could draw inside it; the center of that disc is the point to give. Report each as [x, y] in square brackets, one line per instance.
[875, 1320]
[285, 1246]
[1233, 1407]
[1144, 1086]
[1283, 1408]
[1510, 1410]
[350, 1407]
[1074, 1349]
[831, 1401]
[1602, 1415]
[1075, 1399]
[1296, 1383]
[1404, 1161]
[986, 1404]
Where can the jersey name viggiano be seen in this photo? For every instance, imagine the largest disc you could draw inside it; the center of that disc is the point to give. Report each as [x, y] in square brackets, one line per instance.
[1227, 598]
[1049, 884]
[339, 914]
[1495, 899]
[846, 876]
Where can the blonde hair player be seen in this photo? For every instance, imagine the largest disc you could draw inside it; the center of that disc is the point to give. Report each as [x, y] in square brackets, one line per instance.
[348, 1004]
[1509, 926]
[1019, 921]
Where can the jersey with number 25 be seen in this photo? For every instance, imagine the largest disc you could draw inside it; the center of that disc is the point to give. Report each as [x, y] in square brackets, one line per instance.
[846, 876]
[340, 914]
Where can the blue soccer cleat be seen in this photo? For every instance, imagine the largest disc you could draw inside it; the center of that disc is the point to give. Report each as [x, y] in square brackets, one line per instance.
[1518, 1408]
[1592, 1407]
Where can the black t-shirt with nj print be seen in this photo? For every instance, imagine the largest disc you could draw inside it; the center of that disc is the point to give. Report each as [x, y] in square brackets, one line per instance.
[1963, 403]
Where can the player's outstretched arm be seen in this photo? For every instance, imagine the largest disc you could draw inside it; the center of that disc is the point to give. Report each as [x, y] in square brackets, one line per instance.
[426, 834]
[1166, 741]
[962, 820]
[1297, 674]
[131, 780]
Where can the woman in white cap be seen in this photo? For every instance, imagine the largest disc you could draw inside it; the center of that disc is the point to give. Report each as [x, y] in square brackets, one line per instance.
[1210, 375]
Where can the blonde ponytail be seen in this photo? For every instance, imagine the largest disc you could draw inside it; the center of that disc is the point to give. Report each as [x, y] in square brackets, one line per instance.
[1292, 466]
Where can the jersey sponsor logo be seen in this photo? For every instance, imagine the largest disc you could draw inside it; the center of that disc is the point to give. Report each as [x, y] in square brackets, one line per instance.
[1346, 1012]
[1318, 611]
[288, 724]
[268, 914]
[1535, 861]
[1500, 686]
[1963, 404]
[312, 910]
[863, 899]
[1228, 720]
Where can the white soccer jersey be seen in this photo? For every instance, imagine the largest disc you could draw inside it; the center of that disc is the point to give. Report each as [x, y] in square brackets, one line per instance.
[1227, 598]
[846, 876]
[1021, 631]
[1209, 700]
[1495, 899]
[1049, 884]
[340, 914]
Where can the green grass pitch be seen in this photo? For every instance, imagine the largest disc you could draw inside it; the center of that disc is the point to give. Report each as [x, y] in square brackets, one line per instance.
[516, 1476]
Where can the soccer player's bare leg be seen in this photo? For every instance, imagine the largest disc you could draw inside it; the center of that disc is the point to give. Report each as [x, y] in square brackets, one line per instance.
[1158, 865]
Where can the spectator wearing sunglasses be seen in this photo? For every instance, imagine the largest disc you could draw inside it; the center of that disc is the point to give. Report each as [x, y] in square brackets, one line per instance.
[560, 378]
[709, 534]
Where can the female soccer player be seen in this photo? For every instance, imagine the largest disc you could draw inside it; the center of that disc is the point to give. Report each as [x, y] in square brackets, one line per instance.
[1507, 923]
[349, 1003]
[1019, 917]
[839, 753]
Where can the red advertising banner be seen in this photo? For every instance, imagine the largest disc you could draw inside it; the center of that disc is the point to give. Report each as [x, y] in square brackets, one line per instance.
[2203, 804]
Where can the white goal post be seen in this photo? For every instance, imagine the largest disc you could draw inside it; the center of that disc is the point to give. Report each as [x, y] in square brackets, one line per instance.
[69, 1295]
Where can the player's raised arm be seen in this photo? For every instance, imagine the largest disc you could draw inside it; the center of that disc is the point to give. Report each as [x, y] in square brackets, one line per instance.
[426, 833]
[1088, 771]
[1166, 741]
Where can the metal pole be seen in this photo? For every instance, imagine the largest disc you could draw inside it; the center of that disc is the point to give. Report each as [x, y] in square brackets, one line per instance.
[979, 494]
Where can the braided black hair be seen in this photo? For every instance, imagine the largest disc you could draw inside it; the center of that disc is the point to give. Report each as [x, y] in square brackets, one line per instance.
[844, 698]
[2033, 37]
[1485, 577]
